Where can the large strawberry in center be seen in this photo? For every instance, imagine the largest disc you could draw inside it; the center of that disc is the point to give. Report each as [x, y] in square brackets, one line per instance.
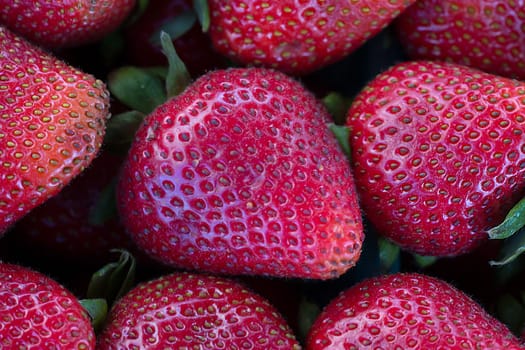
[241, 175]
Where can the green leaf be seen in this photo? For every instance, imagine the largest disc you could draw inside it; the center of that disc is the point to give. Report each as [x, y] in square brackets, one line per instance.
[389, 253]
[178, 77]
[337, 106]
[203, 13]
[114, 279]
[512, 248]
[176, 27]
[511, 311]
[513, 222]
[308, 312]
[342, 135]
[140, 8]
[122, 127]
[137, 88]
[97, 310]
[106, 206]
[424, 261]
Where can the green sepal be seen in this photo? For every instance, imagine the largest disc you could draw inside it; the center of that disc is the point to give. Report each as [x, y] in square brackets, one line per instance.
[121, 129]
[342, 135]
[176, 27]
[178, 77]
[203, 13]
[137, 88]
[114, 279]
[337, 105]
[512, 248]
[308, 313]
[424, 261]
[105, 208]
[138, 10]
[513, 222]
[97, 310]
[511, 311]
[389, 253]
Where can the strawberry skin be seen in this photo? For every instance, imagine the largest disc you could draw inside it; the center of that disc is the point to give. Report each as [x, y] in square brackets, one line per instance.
[52, 121]
[438, 154]
[40, 314]
[188, 311]
[241, 175]
[484, 34]
[297, 37]
[57, 24]
[407, 311]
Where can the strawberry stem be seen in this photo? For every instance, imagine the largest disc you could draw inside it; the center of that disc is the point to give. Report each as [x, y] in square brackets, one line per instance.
[513, 222]
[178, 77]
[176, 27]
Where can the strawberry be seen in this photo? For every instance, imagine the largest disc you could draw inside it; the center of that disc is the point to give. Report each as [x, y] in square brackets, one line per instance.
[57, 24]
[438, 154]
[485, 34]
[52, 120]
[193, 46]
[240, 174]
[38, 313]
[297, 37]
[407, 311]
[186, 311]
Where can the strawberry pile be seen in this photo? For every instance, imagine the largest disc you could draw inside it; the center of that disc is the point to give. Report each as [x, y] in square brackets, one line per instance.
[262, 174]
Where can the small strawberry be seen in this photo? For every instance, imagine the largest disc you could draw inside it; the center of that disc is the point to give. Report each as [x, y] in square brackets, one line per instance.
[193, 46]
[407, 311]
[37, 313]
[187, 311]
[56, 24]
[52, 120]
[485, 34]
[297, 37]
[438, 154]
[241, 175]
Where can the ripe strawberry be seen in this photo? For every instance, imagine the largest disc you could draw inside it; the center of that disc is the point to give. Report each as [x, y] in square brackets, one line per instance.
[38, 313]
[55, 24]
[438, 152]
[52, 120]
[297, 37]
[485, 34]
[241, 175]
[407, 311]
[194, 47]
[186, 311]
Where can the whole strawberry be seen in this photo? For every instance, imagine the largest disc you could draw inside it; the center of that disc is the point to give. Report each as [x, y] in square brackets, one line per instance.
[438, 154]
[484, 34]
[52, 120]
[407, 311]
[38, 313]
[241, 175]
[56, 24]
[188, 311]
[297, 37]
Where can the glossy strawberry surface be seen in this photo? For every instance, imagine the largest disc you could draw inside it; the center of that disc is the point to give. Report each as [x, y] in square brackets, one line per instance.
[297, 37]
[240, 174]
[407, 311]
[189, 311]
[52, 121]
[39, 314]
[56, 24]
[438, 152]
[484, 34]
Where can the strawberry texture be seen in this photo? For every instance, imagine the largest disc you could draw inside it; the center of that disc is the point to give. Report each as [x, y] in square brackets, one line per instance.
[438, 154]
[407, 311]
[297, 37]
[52, 121]
[484, 34]
[240, 174]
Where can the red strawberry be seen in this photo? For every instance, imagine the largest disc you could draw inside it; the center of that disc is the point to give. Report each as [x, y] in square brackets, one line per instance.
[485, 34]
[56, 24]
[186, 311]
[241, 175]
[438, 152]
[297, 37]
[38, 313]
[407, 311]
[52, 120]
[194, 47]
